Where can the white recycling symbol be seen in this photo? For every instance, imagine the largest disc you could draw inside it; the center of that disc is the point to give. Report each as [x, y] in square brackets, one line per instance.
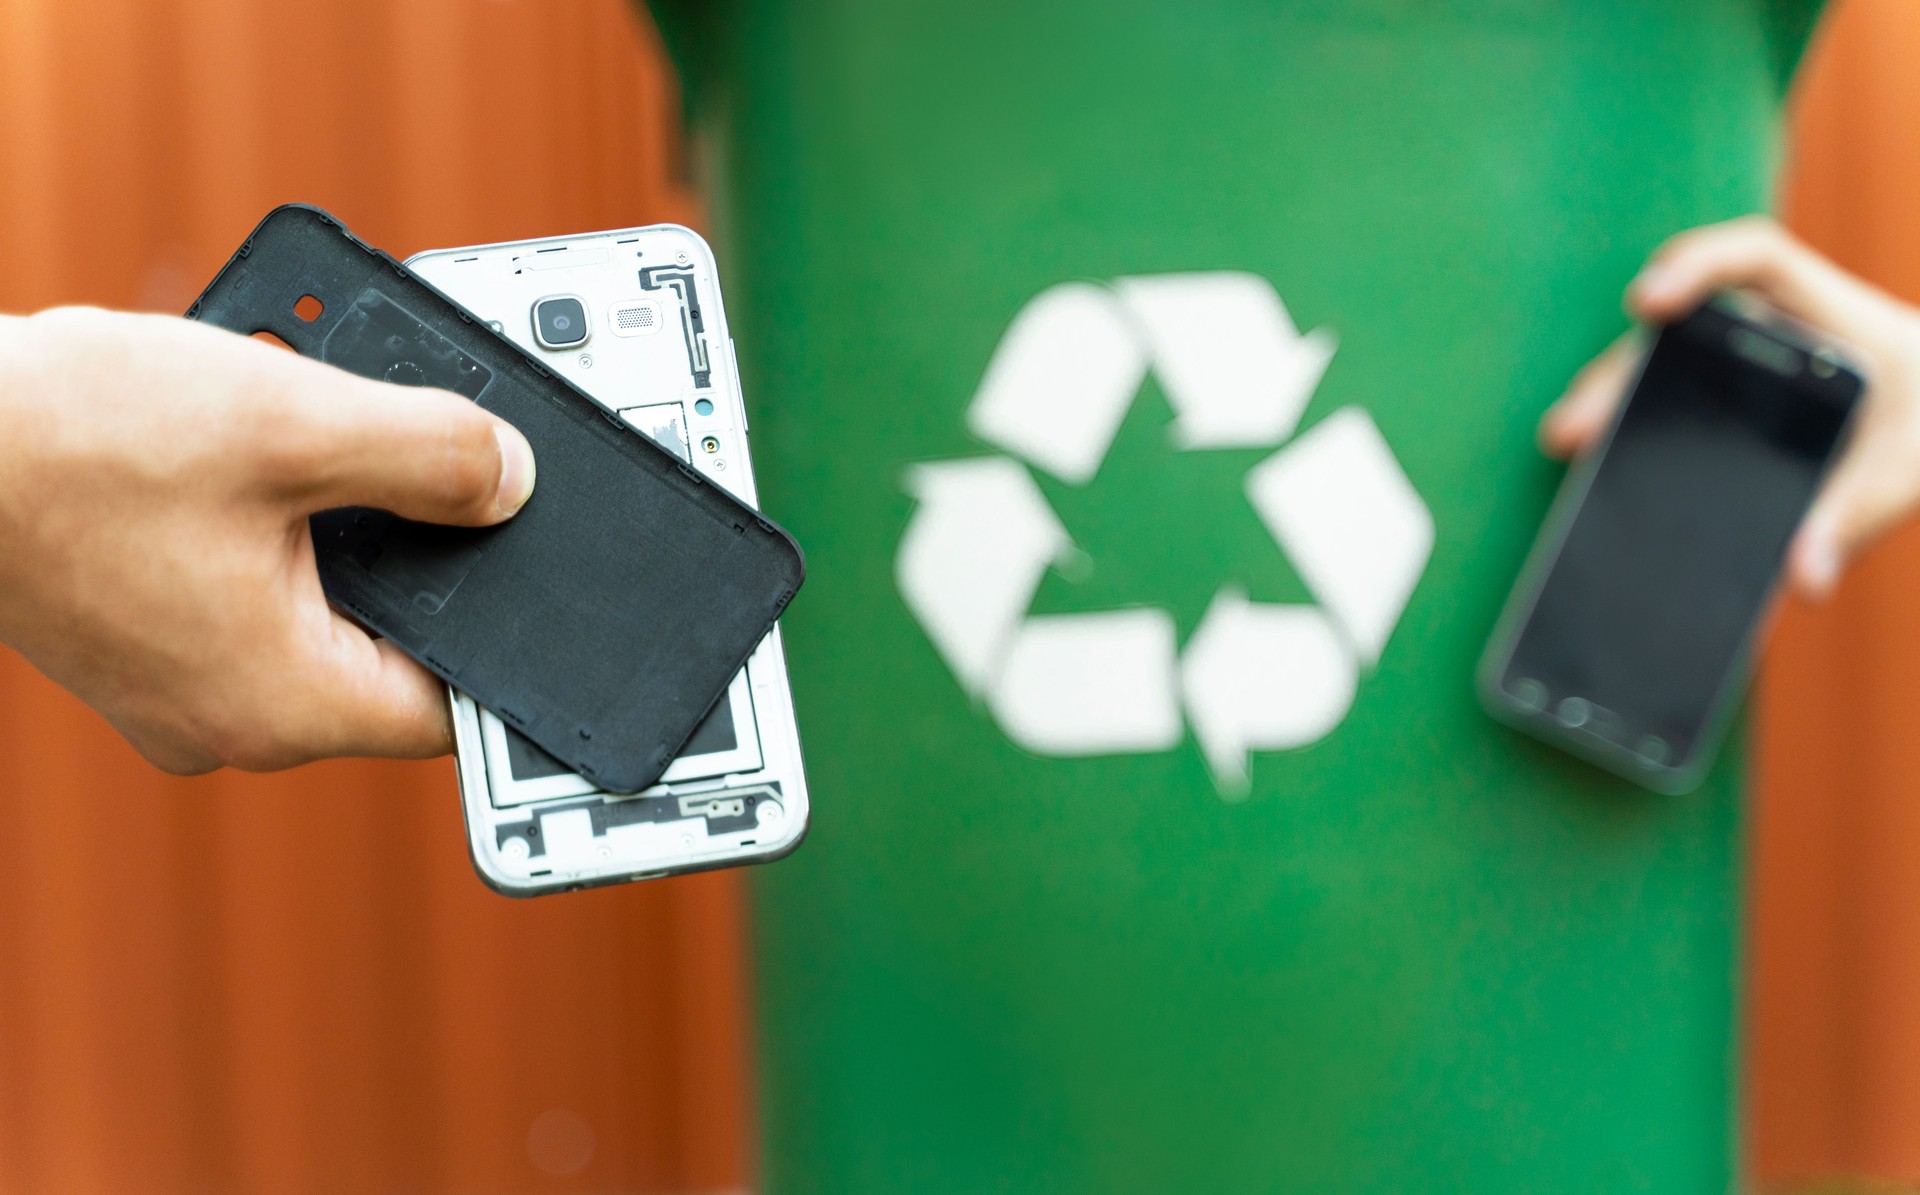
[1253, 676]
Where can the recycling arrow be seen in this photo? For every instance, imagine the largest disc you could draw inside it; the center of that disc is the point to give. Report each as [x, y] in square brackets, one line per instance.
[1235, 369]
[1061, 381]
[1090, 684]
[1263, 677]
[973, 556]
[1253, 676]
[1338, 503]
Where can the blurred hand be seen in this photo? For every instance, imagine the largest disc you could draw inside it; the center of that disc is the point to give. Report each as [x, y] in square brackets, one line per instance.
[155, 482]
[1877, 480]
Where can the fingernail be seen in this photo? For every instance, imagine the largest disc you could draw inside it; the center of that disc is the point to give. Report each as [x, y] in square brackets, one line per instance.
[516, 469]
[1653, 284]
[1822, 565]
[1550, 436]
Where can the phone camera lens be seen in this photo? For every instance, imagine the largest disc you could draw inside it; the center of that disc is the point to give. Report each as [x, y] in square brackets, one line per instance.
[560, 322]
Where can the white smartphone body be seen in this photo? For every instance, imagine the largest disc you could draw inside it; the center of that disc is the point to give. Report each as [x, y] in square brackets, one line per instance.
[634, 318]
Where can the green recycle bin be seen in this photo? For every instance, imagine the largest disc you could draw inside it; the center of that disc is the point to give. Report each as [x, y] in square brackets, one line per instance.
[1153, 388]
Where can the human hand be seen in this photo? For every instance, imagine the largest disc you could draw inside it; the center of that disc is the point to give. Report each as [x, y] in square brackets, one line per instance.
[155, 483]
[1877, 480]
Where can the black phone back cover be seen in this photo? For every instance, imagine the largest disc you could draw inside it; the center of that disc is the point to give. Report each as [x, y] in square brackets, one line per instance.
[602, 621]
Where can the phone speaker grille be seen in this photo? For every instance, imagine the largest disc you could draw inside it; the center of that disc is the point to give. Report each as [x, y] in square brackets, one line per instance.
[634, 319]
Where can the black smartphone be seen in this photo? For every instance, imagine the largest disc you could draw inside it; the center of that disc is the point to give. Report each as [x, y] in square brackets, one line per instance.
[1625, 641]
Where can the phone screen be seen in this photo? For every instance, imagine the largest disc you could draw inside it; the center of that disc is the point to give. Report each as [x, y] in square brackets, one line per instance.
[1647, 605]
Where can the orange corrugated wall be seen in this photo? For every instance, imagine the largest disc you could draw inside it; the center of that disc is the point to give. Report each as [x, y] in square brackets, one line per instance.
[1834, 988]
[295, 983]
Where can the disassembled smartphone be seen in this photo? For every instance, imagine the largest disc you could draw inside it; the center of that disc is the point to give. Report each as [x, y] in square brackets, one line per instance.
[633, 318]
[1625, 639]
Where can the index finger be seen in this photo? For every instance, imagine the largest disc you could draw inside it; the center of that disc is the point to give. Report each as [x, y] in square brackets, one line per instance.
[366, 697]
[1752, 253]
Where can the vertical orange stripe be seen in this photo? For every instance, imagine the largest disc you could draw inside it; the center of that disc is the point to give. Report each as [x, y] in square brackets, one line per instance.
[1834, 1023]
[295, 983]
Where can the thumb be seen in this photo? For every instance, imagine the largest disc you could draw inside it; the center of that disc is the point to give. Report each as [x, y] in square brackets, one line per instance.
[422, 454]
[1870, 490]
[1581, 416]
[1815, 557]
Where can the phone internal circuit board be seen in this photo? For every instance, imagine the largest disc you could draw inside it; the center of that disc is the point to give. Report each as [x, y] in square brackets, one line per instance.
[655, 350]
